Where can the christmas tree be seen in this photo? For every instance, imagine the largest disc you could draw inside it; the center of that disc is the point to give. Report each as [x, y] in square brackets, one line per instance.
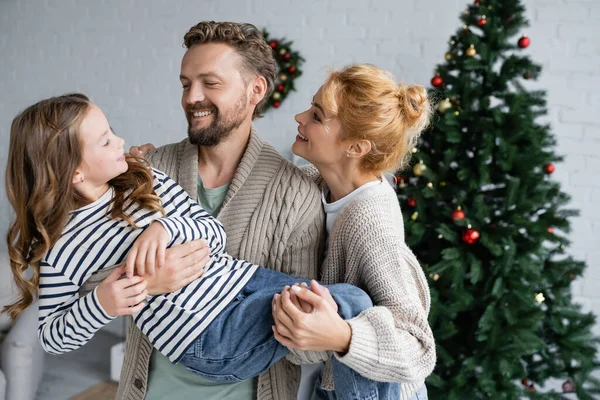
[490, 226]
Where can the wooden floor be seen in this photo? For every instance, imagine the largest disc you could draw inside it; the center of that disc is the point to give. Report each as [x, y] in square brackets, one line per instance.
[101, 391]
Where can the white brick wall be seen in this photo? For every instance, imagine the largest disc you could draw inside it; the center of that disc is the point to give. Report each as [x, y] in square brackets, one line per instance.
[126, 54]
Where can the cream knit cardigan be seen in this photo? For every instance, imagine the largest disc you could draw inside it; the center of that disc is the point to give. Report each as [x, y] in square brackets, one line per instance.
[392, 341]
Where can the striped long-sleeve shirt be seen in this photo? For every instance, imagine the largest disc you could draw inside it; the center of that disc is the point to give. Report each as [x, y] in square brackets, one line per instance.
[92, 240]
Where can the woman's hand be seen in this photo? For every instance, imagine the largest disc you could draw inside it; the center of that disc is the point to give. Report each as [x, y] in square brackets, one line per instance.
[121, 296]
[148, 251]
[184, 263]
[319, 330]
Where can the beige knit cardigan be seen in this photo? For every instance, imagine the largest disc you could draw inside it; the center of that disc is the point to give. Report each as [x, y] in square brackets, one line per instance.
[391, 342]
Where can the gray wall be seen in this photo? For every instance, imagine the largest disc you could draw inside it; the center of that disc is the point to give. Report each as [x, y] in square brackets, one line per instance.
[125, 55]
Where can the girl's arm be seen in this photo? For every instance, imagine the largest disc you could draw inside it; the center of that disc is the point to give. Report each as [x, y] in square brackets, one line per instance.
[184, 221]
[68, 321]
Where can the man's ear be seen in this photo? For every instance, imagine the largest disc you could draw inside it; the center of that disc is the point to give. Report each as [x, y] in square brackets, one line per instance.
[359, 148]
[258, 89]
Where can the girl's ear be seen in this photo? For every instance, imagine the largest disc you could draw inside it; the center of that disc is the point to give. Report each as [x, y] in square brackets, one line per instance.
[77, 177]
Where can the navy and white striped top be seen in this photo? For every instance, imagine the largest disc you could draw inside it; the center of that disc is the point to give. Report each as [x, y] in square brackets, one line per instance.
[92, 240]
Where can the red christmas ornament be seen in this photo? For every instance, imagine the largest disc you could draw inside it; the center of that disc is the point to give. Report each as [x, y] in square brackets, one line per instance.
[411, 201]
[470, 236]
[568, 387]
[276, 104]
[550, 229]
[482, 21]
[527, 75]
[549, 168]
[476, 2]
[273, 43]
[280, 88]
[287, 56]
[458, 214]
[292, 69]
[437, 81]
[524, 42]
[526, 382]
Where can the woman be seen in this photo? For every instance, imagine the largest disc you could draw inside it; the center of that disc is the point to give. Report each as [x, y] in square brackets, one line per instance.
[360, 125]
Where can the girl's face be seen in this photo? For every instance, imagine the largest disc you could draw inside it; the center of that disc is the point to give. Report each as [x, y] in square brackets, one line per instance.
[103, 156]
[318, 140]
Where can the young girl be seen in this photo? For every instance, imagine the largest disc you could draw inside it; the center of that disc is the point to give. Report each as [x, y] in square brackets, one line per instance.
[81, 205]
[360, 125]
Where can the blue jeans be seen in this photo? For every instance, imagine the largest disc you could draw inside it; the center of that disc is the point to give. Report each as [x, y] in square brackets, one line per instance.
[239, 343]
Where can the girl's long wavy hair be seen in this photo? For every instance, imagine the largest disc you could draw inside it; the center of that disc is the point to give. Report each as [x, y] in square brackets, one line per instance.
[44, 153]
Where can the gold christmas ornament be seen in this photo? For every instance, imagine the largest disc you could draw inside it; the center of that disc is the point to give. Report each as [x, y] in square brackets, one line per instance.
[430, 185]
[282, 51]
[419, 168]
[539, 297]
[456, 113]
[436, 277]
[276, 96]
[443, 183]
[471, 51]
[414, 150]
[414, 216]
[448, 56]
[283, 77]
[444, 105]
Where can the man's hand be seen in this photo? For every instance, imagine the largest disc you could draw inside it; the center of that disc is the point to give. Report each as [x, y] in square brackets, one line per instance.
[183, 264]
[121, 296]
[140, 151]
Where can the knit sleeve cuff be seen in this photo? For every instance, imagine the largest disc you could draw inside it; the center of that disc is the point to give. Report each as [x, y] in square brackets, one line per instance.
[362, 353]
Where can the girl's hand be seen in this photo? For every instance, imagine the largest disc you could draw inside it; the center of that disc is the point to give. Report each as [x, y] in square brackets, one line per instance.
[121, 296]
[148, 251]
[319, 330]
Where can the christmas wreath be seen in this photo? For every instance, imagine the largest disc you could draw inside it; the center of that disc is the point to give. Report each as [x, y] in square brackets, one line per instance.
[288, 63]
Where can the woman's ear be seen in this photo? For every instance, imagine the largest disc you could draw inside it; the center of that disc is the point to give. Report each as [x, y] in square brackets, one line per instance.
[258, 89]
[359, 148]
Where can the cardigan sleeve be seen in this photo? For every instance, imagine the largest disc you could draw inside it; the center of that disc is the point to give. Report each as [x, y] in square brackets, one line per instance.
[391, 341]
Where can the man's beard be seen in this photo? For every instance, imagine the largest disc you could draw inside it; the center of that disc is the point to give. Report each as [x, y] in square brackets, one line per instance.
[221, 126]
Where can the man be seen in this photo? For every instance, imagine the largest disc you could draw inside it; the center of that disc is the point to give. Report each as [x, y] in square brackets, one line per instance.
[271, 211]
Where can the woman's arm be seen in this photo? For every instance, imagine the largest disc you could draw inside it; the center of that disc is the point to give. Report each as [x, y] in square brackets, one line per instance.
[389, 342]
[393, 340]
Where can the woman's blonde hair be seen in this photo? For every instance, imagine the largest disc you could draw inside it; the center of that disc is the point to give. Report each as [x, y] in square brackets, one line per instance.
[44, 153]
[372, 106]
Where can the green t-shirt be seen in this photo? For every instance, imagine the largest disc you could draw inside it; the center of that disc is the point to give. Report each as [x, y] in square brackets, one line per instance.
[173, 381]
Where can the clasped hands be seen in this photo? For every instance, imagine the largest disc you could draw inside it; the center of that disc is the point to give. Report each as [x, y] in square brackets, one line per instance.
[307, 319]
